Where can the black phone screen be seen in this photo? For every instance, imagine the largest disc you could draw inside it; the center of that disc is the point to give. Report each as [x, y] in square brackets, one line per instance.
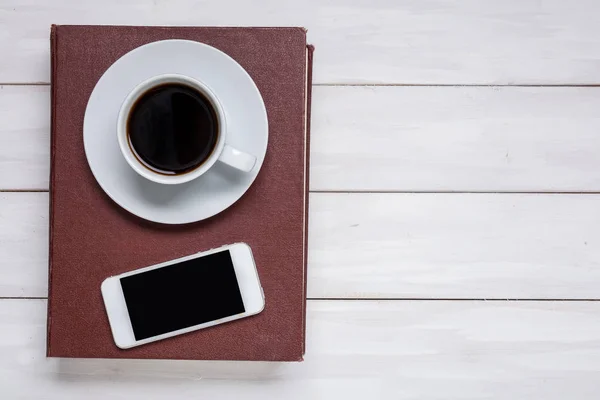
[181, 295]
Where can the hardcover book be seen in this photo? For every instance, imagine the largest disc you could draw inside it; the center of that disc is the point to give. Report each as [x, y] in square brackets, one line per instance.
[92, 238]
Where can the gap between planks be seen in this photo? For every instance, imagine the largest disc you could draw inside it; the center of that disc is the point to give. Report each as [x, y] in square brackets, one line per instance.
[383, 299]
[383, 192]
[517, 85]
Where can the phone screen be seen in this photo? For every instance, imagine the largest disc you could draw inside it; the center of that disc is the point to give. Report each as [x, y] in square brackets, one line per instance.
[182, 295]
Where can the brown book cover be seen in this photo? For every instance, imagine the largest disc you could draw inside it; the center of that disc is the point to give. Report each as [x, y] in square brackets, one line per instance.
[92, 238]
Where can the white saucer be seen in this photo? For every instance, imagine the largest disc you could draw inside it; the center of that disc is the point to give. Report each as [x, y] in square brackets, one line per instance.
[218, 188]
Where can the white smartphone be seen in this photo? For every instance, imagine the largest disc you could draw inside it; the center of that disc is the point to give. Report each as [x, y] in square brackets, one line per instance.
[182, 295]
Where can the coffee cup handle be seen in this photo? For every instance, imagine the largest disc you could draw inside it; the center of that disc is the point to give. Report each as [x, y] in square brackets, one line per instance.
[237, 159]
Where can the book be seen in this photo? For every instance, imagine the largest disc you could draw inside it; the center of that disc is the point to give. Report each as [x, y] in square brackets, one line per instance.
[92, 238]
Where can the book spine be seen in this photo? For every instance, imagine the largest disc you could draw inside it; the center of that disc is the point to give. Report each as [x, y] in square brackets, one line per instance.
[53, 48]
[308, 95]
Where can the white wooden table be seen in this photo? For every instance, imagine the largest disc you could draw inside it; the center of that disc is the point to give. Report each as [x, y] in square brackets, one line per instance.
[455, 206]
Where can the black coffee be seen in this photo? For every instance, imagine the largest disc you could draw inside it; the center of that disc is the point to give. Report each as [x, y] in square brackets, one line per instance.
[172, 128]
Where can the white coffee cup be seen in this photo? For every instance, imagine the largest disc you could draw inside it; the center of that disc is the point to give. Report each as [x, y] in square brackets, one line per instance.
[222, 151]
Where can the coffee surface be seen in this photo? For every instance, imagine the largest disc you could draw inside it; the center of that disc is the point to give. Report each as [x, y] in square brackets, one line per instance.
[172, 128]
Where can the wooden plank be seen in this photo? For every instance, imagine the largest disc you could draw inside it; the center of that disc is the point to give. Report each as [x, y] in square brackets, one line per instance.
[454, 246]
[25, 133]
[23, 244]
[394, 139]
[394, 246]
[358, 41]
[456, 139]
[355, 350]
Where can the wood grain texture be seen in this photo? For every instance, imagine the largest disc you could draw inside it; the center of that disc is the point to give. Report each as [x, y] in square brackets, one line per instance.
[25, 133]
[358, 41]
[454, 246]
[356, 350]
[461, 246]
[393, 139]
[24, 244]
[456, 139]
